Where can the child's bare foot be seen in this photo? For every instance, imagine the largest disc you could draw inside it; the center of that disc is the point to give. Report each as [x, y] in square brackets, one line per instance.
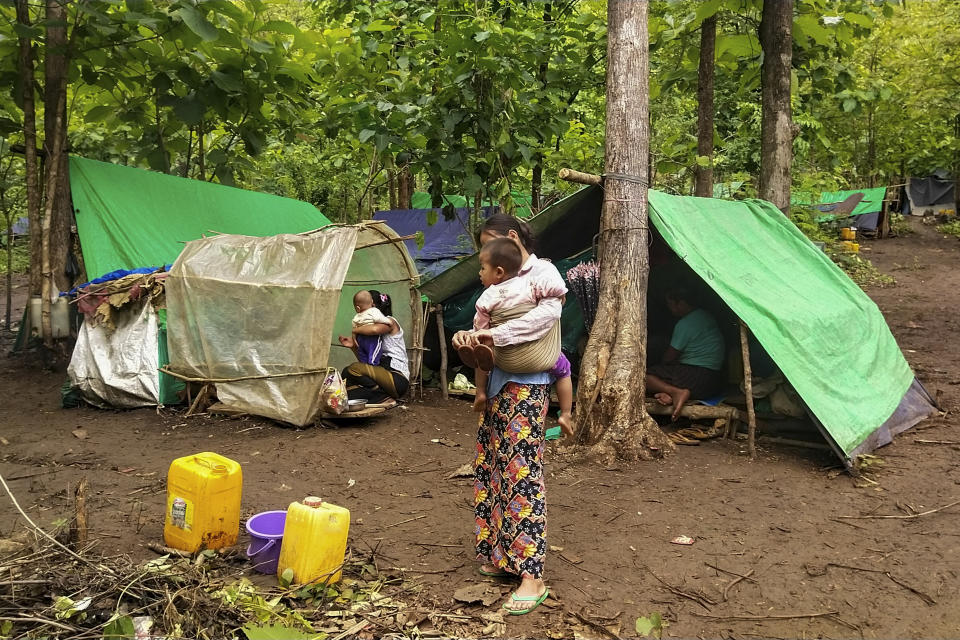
[663, 398]
[678, 401]
[566, 425]
[484, 357]
[467, 356]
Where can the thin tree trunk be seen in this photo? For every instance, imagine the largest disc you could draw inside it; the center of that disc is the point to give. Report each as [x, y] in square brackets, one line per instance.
[45, 238]
[8, 218]
[776, 129]
[536, 184]
[186, 165]
[30, 148]
[55, 106]
[201, 158]
[708, 43]
[956, 167]
[405, 188]
[392, 182]
[610, 405]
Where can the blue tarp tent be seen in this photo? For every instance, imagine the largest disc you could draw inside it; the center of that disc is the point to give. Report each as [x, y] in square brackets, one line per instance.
[445, 242]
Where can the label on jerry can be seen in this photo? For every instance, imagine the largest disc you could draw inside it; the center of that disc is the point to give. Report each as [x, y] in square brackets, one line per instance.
[179, 514]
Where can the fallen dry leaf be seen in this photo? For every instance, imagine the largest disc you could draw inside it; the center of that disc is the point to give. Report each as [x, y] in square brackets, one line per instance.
[80, 433]
[463, 471]
[4, 441]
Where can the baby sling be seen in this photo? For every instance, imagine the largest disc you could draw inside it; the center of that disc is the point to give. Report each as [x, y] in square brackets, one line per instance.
[528, 357]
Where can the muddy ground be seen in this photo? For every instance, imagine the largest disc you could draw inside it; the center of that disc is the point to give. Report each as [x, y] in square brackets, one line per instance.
[776, 516]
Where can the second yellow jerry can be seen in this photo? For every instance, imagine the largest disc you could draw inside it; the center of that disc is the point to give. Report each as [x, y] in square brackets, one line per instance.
[314, 541]
[203, 502]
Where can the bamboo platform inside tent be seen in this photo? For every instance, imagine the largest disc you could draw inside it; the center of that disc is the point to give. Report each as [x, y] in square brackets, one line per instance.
[369, 411]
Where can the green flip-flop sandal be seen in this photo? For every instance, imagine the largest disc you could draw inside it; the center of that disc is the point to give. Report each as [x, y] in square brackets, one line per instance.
[536, 600]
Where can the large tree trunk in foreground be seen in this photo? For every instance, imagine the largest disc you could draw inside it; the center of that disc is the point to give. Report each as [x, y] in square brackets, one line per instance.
[55, 102]
[776, 129]
[26, 71]
[610, 408]
[708, 44]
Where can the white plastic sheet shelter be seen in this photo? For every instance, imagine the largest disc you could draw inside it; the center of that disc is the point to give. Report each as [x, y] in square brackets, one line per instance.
[258, 316]
[118, 367]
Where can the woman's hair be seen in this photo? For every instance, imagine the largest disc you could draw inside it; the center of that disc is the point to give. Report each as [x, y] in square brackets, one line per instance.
[502, 224]
[382, 301]
[503, 253]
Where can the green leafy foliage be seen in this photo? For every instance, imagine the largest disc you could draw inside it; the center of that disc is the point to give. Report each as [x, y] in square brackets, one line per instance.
[119, 627]
[278, 632]
[651, 626]
[950, 228]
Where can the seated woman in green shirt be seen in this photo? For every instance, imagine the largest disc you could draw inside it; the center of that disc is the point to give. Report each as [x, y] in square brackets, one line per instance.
[691, 367]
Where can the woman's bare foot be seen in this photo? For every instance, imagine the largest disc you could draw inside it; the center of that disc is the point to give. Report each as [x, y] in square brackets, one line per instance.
[566, 424]
[529, 588]
[679, 400]
[663, 398]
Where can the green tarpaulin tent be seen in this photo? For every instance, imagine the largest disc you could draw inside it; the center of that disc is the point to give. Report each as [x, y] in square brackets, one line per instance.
[129, 218]
[823, 332]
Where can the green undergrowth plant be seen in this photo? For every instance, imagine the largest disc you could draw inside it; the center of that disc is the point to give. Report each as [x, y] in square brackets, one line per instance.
[950, 228]
[861, 271]
[806, 220]
[899, 225]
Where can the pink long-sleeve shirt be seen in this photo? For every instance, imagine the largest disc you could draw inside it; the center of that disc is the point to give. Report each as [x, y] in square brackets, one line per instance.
[538, 282]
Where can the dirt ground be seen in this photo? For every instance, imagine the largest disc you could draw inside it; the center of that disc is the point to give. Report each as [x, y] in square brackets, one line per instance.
[776, 516]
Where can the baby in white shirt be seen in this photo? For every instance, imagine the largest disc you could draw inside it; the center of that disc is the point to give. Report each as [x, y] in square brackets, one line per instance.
[369, 348]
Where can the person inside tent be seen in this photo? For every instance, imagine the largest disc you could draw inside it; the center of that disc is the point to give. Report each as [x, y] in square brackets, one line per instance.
[691, 366]
[387, 381]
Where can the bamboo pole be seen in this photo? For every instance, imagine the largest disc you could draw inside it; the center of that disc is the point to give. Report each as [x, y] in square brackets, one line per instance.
[580, 177]
[444, 392]
[748, 392]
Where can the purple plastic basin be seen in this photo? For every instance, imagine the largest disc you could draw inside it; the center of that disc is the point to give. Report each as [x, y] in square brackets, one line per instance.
[266, 534]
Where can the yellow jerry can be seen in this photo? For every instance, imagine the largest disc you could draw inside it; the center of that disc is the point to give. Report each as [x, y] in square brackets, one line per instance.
[314, 541]
[203, 502]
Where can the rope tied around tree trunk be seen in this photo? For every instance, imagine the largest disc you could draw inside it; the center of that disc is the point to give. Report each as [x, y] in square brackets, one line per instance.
[625, 177]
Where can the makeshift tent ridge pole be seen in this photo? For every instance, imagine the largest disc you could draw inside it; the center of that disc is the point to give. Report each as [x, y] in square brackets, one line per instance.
[748, 392]
[265, 376]
[444, 393]
[580, 178]
[387, 241]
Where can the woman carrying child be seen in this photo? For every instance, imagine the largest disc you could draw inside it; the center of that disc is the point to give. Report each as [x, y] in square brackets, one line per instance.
[382, 371]
[509, 495]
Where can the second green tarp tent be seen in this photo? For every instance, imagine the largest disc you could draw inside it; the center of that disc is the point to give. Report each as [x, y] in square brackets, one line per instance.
[826, 336]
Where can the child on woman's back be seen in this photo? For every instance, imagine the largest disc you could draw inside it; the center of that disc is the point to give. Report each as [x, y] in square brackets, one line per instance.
[369, 348]
[500, 261]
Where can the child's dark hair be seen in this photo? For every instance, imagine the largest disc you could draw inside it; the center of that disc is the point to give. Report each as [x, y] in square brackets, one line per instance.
[502, 224]
[503, 253]
[382, 301]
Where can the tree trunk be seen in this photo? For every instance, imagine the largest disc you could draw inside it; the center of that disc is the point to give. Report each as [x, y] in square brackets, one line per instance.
[201, 158]
[392, 182]
[956, 167]
[708, 44]
[53, 177]
[610, 400]
[55, 103]
[776, 130]
[26, 71]
[404, 188]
